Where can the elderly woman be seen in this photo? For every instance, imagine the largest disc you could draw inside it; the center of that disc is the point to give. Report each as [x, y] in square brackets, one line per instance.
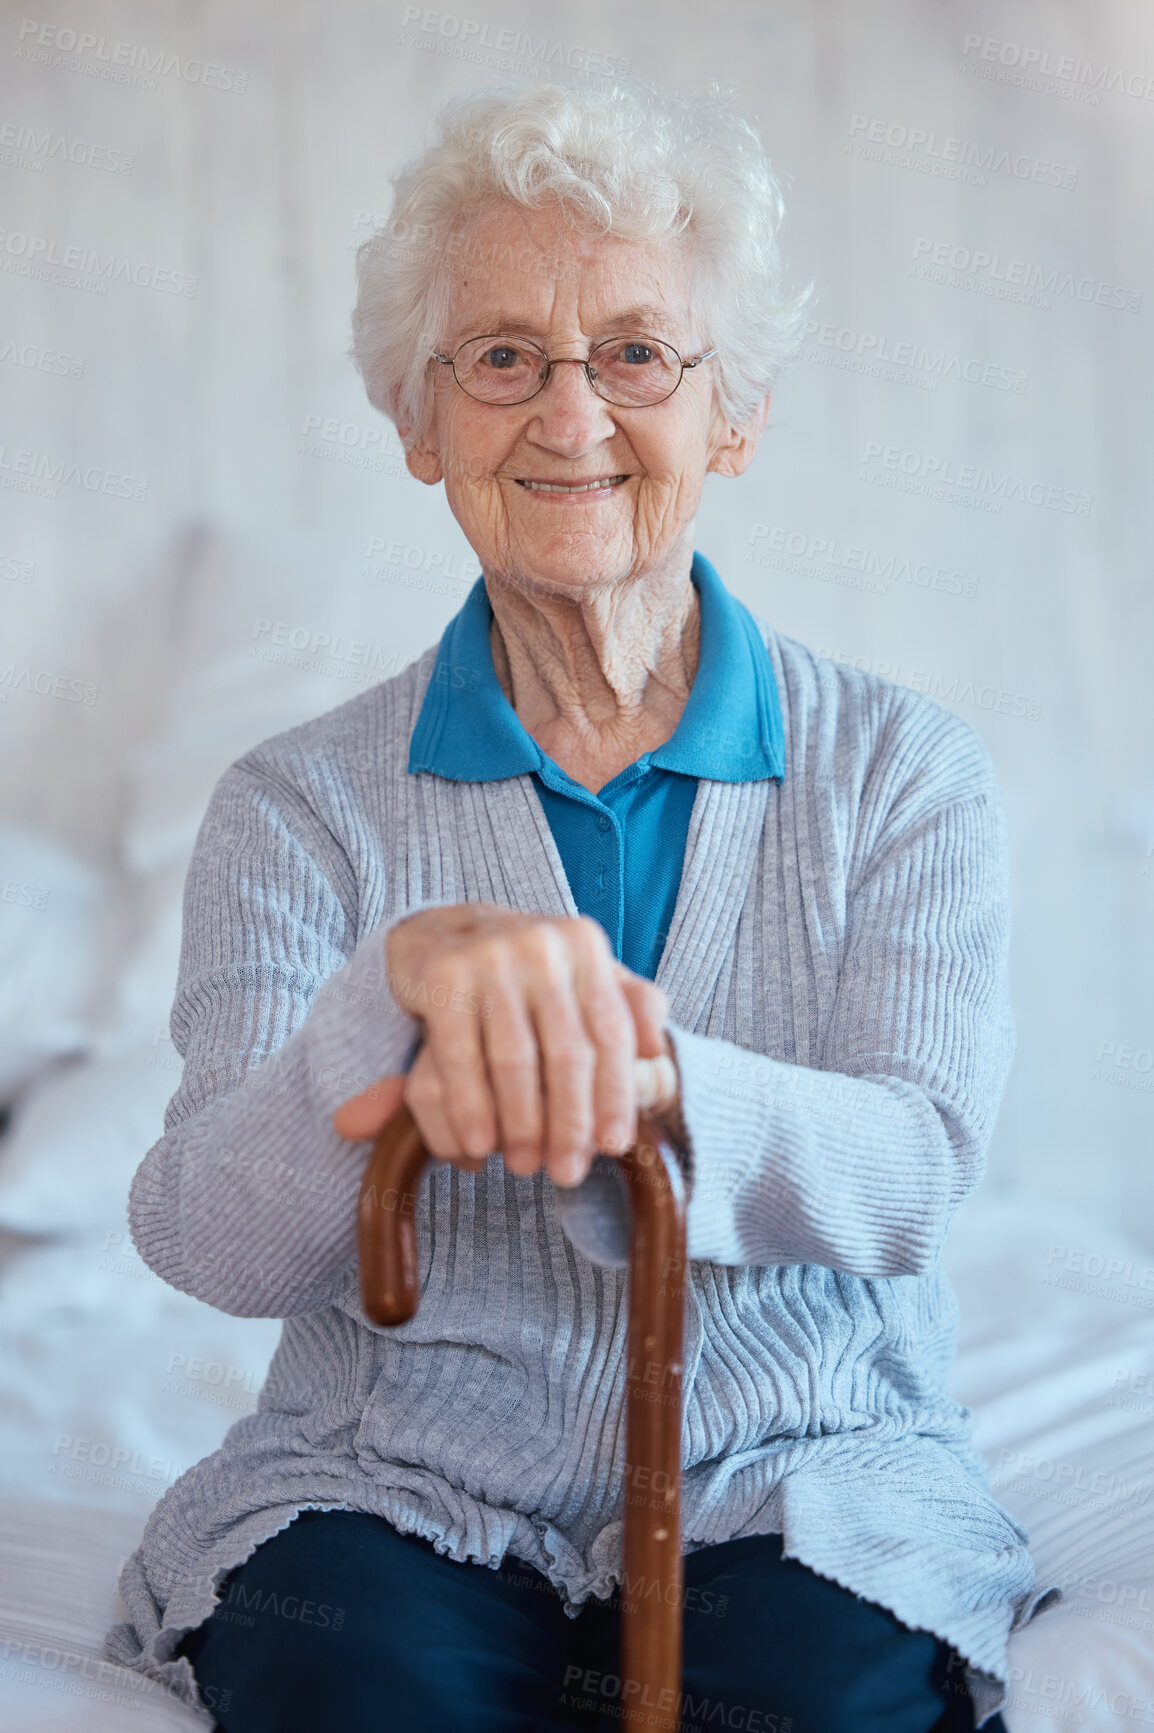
[613, 816]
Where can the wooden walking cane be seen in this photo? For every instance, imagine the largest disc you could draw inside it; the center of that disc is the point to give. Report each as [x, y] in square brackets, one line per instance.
[651, 1593]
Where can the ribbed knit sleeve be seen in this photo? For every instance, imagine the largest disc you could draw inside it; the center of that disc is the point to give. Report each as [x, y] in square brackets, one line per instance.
[248, 1201]
[858, 1163]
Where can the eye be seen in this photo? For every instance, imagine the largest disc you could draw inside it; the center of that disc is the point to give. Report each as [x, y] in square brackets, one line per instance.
[636, 354]
[501, 355]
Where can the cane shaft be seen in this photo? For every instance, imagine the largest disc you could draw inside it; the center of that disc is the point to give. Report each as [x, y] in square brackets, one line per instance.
[651, 1594]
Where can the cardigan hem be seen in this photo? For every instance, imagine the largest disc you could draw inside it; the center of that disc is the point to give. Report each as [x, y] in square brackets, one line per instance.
[147, 1642]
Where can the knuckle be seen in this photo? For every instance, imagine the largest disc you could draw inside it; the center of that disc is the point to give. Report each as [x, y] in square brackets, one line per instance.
[593, 941]
[513, 1061]
[455, 1042]
[544, 943]
[422, 1090]
[592, 935]
[522, 1149]
[488, 953]
[476, 1137]
[572, 1052]
[610, 1014]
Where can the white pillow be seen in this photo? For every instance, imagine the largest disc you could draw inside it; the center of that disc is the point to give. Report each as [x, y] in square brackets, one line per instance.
[77, 1137]
[52, 945]
[224, 694]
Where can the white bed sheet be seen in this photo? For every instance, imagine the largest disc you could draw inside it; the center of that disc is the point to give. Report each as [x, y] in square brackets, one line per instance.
[1056, 1357]
[111, 1384]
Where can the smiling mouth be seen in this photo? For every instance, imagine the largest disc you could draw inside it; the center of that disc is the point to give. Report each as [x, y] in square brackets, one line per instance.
[571, 487]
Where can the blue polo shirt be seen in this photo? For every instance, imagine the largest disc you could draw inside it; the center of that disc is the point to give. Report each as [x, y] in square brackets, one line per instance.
[623, 847]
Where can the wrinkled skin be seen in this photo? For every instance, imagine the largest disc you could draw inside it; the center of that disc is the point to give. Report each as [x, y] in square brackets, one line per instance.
[595, 642]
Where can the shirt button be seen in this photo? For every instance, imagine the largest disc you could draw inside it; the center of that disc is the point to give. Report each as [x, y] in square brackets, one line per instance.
[603, 823]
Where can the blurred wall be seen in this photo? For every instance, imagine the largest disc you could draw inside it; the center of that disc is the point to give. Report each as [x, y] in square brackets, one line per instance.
[952, 489]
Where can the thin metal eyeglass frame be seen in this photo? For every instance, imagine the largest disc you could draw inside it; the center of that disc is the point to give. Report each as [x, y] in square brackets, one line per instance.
[587, 364]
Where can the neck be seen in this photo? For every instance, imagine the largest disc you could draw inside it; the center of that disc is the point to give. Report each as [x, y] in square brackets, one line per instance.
[601, 676]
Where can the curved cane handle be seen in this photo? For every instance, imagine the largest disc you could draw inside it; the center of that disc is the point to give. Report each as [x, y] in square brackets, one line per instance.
[387, 1222]
[386, 1218]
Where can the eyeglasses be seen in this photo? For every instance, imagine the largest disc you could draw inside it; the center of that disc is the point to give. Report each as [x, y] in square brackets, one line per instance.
[632, 372]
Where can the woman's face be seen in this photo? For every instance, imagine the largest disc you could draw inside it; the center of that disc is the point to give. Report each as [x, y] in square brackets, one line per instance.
[525, 273]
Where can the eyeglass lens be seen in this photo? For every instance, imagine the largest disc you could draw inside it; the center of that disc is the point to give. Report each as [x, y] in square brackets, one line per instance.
[628, 370]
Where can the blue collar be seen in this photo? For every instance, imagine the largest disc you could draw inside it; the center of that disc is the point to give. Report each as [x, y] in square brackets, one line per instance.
[730, 730]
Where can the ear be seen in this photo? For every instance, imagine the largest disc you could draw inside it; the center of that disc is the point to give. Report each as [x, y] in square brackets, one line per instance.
[424, 461]
[422, 458]
[733, 451]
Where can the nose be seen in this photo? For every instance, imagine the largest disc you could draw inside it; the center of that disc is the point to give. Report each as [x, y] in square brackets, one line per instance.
[570, 418]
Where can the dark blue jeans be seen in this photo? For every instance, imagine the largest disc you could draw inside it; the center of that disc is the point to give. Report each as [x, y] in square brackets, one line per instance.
[341, 1622]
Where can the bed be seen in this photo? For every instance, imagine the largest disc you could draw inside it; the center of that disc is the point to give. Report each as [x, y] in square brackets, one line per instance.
[111, 1384]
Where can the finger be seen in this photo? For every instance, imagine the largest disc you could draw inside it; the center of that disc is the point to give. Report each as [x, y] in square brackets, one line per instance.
[424, 1097]
[610, 1025]
[649, 1005]
[568, 1056]
[366, 1114]
[514, 1067]
[454, 1042]
[658, 1085]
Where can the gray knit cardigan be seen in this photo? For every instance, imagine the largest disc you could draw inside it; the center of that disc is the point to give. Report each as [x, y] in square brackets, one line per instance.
[836, 971]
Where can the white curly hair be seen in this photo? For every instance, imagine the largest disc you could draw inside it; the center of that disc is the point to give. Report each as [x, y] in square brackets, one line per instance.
[626, 160]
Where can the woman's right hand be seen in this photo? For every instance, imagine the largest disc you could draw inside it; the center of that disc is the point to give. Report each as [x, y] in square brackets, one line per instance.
[531, 1030]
